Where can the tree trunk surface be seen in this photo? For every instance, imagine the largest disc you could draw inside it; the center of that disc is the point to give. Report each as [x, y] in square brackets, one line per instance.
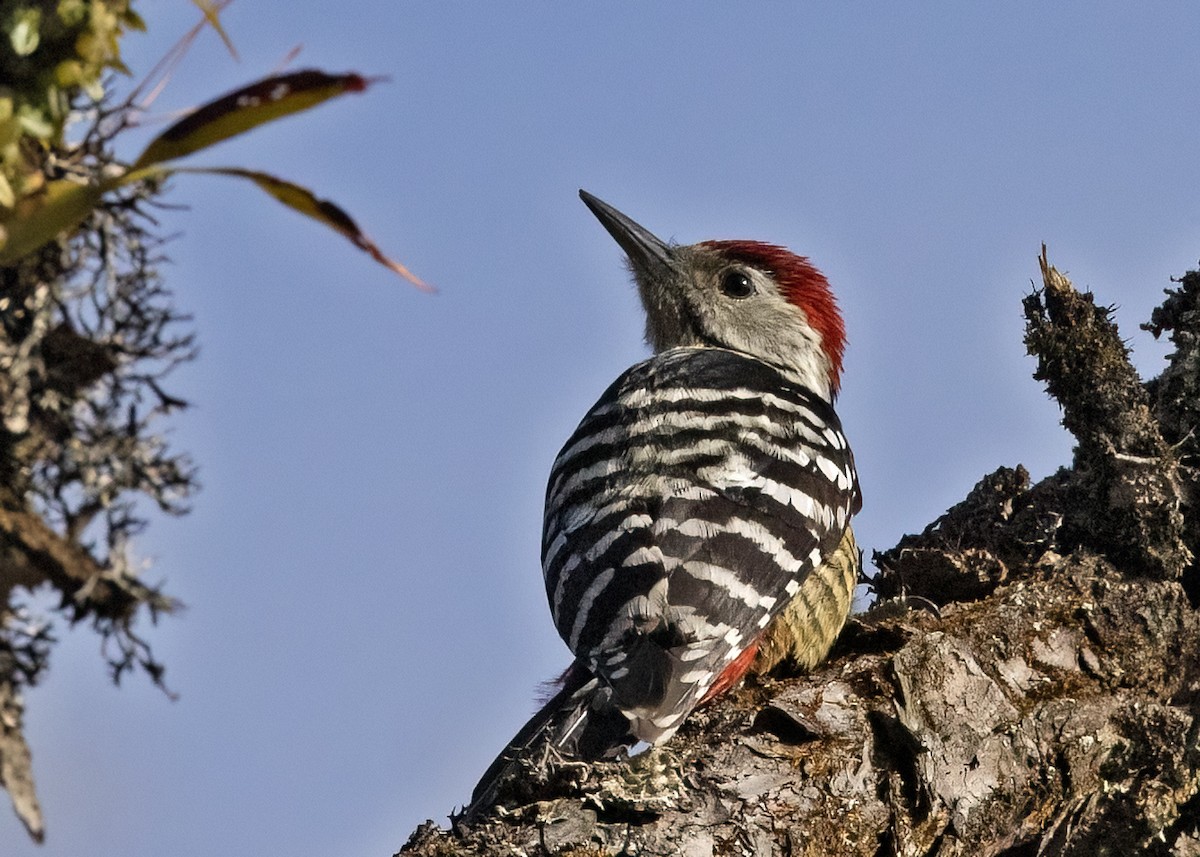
[1028, 682]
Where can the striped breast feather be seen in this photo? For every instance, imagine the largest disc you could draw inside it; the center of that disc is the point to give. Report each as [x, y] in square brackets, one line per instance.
[682, 515]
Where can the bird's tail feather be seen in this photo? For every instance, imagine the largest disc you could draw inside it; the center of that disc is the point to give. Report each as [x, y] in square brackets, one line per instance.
[578, 722]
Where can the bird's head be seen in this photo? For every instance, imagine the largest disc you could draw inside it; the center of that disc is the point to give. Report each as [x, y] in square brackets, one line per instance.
[748, 296]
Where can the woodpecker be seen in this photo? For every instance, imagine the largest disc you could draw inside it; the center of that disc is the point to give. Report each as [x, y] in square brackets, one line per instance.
[697, 523]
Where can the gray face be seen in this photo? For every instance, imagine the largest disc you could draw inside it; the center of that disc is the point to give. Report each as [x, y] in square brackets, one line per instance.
[694, 296]
[703, 299]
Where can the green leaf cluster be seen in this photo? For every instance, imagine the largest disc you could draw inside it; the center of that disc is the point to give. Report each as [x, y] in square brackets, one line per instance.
[51, 53]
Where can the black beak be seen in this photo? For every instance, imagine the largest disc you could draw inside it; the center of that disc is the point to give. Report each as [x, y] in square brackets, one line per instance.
[650, 255]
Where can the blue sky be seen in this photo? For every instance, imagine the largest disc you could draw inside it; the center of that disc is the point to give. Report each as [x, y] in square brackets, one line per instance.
[366, 624]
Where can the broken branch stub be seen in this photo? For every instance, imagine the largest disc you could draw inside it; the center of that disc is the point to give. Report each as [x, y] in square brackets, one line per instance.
[1126, 477]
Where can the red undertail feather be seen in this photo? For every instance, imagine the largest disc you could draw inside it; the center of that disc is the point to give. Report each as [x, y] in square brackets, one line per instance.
[732, 674]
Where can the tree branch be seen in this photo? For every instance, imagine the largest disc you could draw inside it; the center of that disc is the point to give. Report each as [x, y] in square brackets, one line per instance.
[1053, 707]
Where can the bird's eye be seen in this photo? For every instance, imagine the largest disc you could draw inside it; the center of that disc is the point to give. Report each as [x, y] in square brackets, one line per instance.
[736, 284]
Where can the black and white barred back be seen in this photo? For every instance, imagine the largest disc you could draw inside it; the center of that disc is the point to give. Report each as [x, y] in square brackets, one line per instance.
[682, 515]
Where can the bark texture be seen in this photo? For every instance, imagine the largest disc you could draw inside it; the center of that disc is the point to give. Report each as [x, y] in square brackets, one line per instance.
[1028, 683]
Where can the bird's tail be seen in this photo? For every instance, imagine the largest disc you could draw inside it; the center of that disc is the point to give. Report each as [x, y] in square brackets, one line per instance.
[579, 722]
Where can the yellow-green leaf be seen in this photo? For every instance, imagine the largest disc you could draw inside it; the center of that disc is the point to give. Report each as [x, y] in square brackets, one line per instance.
[24, 36]
[7, 198]
[63, 205]
[34, 122]
[306, 202]
[133, 20]
[72, 13]
[246, 108]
